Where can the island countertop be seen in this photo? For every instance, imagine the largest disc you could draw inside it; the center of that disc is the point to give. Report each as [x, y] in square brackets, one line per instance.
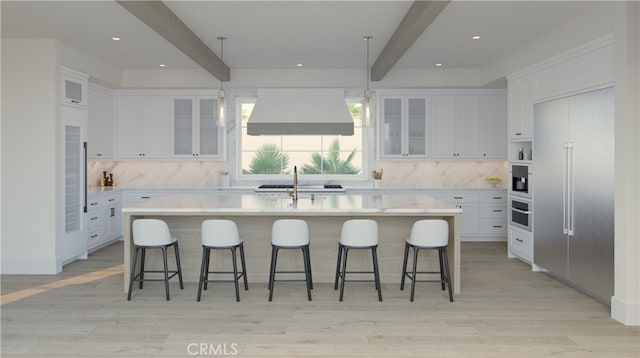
[254, 214]
[252, 204]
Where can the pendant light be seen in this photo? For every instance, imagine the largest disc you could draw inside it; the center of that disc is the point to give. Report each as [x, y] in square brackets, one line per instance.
[366, 108]
[222, 94]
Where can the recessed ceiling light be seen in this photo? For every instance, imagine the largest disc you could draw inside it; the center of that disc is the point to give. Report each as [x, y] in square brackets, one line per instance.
[115, 38]
[163, 65]
[438, 65]
[299, 65]
[476, 37]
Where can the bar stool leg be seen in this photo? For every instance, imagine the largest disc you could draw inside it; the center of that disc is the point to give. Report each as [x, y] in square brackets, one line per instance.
[344, 272]
[177, 251]
[415, 269]
[203, 265]
[206, 269]
[376, 272]
[272, 273]
[308, 256]
[335, 285]
[133, 272]
[307, 271]
[144, 251]
[166, 271]
[404, 265]
[442, 279]
[244, 267]
[446, 267]
[235, 273]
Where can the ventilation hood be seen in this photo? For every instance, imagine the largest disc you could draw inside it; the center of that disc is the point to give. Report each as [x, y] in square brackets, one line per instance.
[300, 111]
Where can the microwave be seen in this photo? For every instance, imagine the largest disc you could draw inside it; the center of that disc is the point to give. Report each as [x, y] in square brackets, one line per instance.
[520, 181]
[521, 213]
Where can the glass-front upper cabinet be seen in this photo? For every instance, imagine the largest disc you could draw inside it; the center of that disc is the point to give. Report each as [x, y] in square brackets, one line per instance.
[403, 130]
[196, 133]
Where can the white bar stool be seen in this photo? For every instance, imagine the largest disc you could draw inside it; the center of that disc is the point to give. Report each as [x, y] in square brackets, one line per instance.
[221, 235]
[290, 234]
[153, 234]
[428, 235]
[357, 234]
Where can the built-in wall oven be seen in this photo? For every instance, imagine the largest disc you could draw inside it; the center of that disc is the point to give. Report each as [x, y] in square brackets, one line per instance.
[521, 213]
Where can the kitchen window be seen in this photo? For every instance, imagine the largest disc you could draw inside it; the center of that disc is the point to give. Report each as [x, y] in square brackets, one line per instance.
[314, 155]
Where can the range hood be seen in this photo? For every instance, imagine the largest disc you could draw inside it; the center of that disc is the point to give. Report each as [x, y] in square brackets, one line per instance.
[296, 111]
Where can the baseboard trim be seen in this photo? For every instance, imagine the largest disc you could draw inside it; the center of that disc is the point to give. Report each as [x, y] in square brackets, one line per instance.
[627, 313]
[483, 239]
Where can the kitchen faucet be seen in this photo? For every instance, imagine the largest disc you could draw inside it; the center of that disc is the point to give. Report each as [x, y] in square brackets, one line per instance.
[294, 194]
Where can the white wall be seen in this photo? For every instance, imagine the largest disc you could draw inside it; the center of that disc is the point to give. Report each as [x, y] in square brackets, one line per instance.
[582, 29]
[625, 305]
[30, 135]
[100, 71]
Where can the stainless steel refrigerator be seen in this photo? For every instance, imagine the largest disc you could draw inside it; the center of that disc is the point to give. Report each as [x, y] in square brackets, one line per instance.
[573, 197]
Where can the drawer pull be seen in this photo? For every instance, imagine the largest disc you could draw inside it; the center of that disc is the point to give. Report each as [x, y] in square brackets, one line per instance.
[94, 236]
[457, 197]
[92, 204]
[519, 240]
[94, 218]
[112, 199]
[497, 211]
[497, 226]
[145, 197]
[497, 197]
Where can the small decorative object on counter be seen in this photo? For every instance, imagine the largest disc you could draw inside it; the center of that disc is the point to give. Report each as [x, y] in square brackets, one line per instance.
[494, 181]
[224, 178]
[377, 177]
[103, 180]
[521, 154]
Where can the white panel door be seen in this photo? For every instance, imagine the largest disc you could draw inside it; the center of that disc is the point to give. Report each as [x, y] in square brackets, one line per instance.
[129, 130]
[469, 129]
[495, 123]
[444, 126]
[155, 126]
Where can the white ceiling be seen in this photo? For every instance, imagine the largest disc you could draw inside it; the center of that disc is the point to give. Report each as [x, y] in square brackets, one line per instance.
[279, 34]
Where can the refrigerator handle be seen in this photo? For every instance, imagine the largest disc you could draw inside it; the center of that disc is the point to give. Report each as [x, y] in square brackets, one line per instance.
[570, 188]
[565, 160]
[84, 147]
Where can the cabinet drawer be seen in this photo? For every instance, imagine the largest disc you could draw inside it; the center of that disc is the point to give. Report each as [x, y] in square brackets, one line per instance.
[494, 198]
[93, 238]
[455, 198]
[93, 219]
[99, 201]
[494, 211]
[140, 197]
[521, 243]
[494, 227]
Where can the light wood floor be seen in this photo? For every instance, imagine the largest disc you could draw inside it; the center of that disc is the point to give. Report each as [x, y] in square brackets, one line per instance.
[505, 310]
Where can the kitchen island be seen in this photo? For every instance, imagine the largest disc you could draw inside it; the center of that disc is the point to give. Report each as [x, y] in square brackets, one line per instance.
[255, 214]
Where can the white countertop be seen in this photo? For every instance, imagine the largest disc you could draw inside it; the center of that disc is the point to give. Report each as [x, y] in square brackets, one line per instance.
[241, 203]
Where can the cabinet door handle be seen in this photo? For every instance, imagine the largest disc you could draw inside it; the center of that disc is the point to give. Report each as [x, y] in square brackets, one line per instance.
[113, 212]
[519, 240]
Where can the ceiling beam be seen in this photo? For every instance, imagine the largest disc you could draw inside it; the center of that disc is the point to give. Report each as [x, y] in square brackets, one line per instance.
[163, 21]
[420, 15]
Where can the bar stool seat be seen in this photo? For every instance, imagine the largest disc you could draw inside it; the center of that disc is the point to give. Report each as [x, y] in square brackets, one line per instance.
[221, 235]
[428, 234]
[153, 234]
[357, 234]
[290, 234]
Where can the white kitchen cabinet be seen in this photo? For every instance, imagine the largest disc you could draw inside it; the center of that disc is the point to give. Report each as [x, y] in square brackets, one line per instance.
[469, 126]
[495, 127]
[104, 216]
[194, 127]
[520, 244]
[74, 87]
[101, 126]
[521, 93]
[403, 127]
[470, 203]
[494, 215]
[142, 126]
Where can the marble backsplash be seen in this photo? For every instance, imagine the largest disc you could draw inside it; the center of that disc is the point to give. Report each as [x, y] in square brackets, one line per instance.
[206, 174]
